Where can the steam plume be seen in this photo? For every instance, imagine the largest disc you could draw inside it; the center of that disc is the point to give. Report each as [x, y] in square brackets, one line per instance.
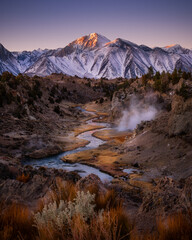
[137, 112]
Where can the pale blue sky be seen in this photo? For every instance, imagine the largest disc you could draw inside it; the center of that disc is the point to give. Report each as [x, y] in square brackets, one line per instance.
[28, 25]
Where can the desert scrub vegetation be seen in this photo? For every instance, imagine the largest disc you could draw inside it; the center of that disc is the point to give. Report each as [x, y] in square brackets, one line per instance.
[79, 221]
[73, 214]
[174, 227]
[23, 178]
[58, 215]
[67, 213]
[16, 222]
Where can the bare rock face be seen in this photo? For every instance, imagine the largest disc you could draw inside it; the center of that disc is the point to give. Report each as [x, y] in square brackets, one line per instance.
[36, 188]
[180, 121]
[119, 101]
[35, 184]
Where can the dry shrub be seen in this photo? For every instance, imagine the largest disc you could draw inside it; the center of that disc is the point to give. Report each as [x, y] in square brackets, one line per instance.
[79, 229]
[110, 225]
[113, 224]
[23, 178]
[51, 233]
[64, 190]
[15, 222]
[108, 220]
[105, 200]
[176, 227]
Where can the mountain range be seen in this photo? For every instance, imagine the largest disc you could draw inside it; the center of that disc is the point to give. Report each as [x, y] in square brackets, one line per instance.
[95, 56]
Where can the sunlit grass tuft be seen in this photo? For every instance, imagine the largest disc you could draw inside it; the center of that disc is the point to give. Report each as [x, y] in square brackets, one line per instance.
[176, 227]
[23, 178]
[106, 199]
[15, 222]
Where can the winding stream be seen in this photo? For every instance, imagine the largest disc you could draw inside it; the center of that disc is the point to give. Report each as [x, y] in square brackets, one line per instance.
[82, 169]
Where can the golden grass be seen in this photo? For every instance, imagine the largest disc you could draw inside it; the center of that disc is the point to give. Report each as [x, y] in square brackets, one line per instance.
[112, 225]
[176, 227]
[86, 128]
[110, 221]
[16, 222]
[107, 135]
[64, 190]
[105, 200]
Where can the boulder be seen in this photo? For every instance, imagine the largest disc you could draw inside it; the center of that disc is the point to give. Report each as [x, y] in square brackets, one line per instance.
[90, 181]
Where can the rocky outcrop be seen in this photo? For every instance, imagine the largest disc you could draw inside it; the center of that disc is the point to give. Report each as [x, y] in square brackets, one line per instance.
[180, 121]
[120, 100]
[45, 152]
[14, 190]
[90, 181]
[33, 186]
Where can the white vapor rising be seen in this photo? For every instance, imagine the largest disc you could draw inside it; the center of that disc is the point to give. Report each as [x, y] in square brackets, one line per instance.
[136, 113]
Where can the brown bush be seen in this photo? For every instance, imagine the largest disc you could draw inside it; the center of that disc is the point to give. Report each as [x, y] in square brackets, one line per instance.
[23, 178]
[16, 222]
[112, 225]
[105, 200]
[176, 227]
[109, 222]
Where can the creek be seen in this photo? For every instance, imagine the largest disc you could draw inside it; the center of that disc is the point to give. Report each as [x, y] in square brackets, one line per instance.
[82, 169]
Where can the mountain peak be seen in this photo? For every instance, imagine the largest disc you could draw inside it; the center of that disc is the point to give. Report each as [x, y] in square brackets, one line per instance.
[4, 53]
[176, 48]
[172, 45]
[91, 41]
[94, 35]
[1, 46]
[120, 42]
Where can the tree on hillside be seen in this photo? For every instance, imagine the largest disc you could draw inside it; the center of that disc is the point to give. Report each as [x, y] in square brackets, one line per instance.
[147, 76]
[175, 77]
[157, 76]
[150, 72]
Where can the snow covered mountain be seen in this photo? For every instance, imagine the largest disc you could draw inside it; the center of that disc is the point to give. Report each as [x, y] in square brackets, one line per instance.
[27, 58]
[95, 56]
[8, 61]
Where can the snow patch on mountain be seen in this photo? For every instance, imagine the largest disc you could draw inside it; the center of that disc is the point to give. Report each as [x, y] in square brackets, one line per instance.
[95, 56]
